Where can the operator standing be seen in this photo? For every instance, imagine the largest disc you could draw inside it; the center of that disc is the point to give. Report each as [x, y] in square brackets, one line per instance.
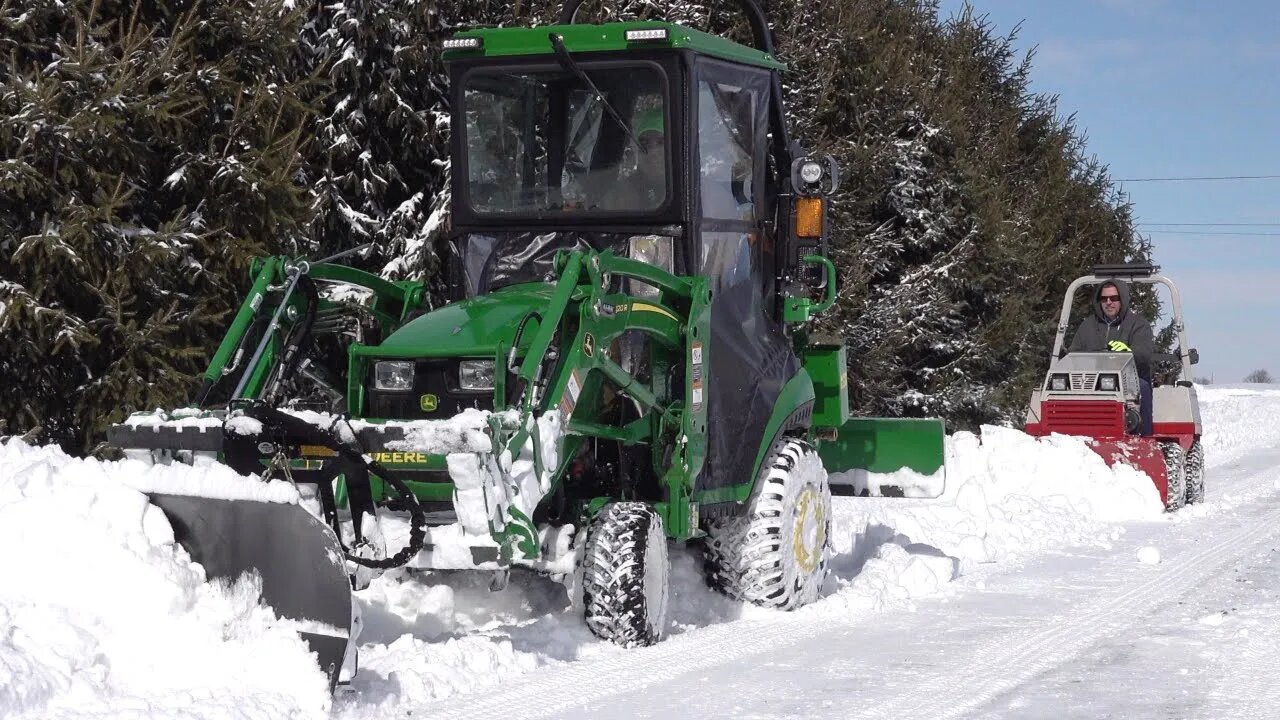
[1112, 328]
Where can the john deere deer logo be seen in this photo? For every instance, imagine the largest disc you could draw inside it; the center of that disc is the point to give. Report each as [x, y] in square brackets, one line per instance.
[428, 402]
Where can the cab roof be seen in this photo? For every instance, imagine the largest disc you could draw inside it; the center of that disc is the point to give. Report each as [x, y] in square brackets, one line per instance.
[581, 38]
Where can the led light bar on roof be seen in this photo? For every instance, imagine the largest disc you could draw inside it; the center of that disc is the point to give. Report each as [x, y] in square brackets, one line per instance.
[650, 34]
[463, 43]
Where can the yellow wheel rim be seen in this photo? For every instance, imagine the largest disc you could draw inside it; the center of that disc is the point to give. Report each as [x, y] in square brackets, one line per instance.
[809, 532]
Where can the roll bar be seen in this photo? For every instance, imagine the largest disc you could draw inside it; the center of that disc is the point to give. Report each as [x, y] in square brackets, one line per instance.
[1142, 275]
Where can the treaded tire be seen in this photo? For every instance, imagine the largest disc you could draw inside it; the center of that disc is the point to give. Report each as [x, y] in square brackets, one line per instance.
[776, 554]
[625, 581]
[1193, 469]
[1175, 467]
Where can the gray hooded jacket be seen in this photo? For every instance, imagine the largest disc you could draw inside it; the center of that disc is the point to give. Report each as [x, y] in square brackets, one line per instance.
[1130, 328]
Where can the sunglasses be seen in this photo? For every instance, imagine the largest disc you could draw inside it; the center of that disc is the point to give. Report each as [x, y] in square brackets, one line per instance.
[1109, 298]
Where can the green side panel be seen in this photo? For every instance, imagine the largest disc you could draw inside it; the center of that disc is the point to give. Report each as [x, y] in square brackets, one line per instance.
[797, 392]
[825, 363]
[508, 42]
[883, 445]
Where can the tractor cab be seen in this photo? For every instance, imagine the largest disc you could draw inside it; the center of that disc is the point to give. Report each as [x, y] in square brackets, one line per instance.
[647, 139]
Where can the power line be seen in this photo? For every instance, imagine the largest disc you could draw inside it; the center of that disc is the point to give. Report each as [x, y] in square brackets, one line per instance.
[1185, 179]
[1206, 224]
[1210, 232]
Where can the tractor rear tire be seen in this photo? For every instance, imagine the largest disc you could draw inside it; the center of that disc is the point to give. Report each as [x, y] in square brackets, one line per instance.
[1175, 469]
[625, 579]
[1194, 470]
[776, 554]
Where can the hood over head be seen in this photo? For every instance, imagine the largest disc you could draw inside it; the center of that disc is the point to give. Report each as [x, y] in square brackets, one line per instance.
[1121, 287]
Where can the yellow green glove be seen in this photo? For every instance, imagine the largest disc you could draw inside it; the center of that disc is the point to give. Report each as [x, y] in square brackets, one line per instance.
[1117, 346]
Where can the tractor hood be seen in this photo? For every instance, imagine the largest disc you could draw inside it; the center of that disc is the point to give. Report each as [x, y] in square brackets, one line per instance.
[470, 327]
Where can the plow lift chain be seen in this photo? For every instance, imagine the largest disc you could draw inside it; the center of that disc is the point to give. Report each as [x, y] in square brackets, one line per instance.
[281, 430]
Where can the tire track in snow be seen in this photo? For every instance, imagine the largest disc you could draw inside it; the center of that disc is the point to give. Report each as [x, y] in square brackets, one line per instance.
[560, 688]
[954, 690]
[1251, 685]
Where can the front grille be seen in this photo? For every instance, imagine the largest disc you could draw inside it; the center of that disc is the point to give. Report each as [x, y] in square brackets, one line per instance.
[437, 376]
[1074, 417]
[1084, 381]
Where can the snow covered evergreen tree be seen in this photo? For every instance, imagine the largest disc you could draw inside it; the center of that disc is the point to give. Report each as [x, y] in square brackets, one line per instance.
[149, 151]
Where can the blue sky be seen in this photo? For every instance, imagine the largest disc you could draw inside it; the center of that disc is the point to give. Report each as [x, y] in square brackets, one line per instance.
[1176, 88]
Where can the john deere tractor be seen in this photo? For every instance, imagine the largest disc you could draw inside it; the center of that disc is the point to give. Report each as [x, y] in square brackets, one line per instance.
[636, 248]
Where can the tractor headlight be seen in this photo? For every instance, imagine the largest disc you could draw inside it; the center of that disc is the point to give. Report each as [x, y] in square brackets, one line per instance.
[475, 374]
[811, 172]
[654, 250]
[1108, 383]
[1059, 382]
[393, 375]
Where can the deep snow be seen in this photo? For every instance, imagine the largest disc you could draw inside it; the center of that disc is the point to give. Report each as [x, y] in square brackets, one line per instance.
[110, 619]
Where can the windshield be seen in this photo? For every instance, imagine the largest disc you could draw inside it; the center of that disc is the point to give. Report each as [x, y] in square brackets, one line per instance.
[540, 142]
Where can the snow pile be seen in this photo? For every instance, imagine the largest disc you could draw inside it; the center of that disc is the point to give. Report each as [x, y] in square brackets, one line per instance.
[1007, 497]
[1237, 419]
[102, 614]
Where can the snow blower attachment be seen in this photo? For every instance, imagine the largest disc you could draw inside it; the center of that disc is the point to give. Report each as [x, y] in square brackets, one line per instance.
[1097, 395]
[624, 359]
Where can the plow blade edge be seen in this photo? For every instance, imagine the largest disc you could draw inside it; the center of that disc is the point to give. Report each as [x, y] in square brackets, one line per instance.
[297, 557]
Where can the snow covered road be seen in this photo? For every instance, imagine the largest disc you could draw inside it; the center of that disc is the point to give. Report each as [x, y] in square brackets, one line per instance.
[1042, 584]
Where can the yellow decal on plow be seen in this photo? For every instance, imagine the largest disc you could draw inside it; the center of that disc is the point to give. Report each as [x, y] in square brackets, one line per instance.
[399, 458]
[315, 451]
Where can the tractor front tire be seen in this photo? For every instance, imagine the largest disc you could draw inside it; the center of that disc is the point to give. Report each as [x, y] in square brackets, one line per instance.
[625, 579]
[776, 554]
[1194, 471]
[1175, 470]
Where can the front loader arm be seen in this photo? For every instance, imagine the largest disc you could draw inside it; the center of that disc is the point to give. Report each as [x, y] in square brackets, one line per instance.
[678, 320]
[274, 281]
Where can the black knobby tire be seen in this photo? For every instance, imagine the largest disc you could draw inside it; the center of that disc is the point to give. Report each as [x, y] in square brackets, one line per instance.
[625, 578]
[776, 554]
[1193, 469]
[1175, 468]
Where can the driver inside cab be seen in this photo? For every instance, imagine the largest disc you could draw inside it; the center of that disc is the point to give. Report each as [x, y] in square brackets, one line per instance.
[642, 185]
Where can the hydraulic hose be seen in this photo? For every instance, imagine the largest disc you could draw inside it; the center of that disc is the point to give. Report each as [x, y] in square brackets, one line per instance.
[286, 429]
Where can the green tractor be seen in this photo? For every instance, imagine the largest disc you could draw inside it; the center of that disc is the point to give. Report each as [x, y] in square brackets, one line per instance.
[636, 249]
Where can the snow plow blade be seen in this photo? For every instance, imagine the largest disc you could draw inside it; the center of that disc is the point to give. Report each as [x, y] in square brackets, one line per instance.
[296, 556]
[887, 457]
[1140, 453]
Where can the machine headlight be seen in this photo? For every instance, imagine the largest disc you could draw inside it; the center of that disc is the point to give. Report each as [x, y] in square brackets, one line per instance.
[811, 172]
[1108, 383]
[475, 374]
[654, 250]
[393, 375]
[1059, 382]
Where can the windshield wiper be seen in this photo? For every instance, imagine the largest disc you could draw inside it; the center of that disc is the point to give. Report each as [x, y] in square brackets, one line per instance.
[568, 63]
